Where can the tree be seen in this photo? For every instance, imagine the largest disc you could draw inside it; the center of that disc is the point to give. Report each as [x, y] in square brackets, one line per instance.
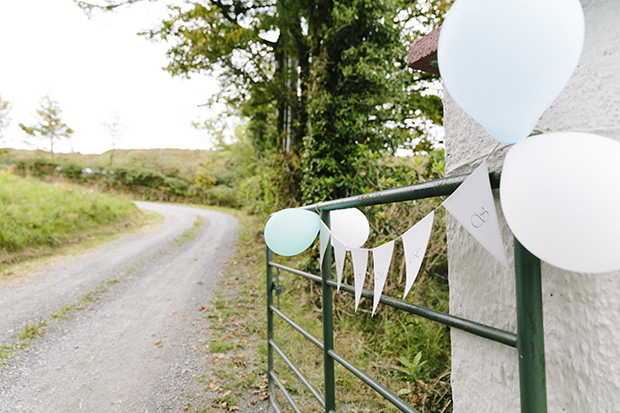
[116, 128]
[50, 126]
[5, 108]
[314, 78]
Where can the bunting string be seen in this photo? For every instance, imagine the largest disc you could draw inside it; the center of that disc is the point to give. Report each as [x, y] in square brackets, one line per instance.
[471, 204]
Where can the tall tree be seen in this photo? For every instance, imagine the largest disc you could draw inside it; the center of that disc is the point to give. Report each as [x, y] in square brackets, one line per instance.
[49, 125]
[116, 128]
[361, 94]
[5, 108]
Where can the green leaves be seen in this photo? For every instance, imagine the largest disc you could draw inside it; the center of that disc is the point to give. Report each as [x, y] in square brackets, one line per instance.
[49, 124]
[413, 366]
[5, 108]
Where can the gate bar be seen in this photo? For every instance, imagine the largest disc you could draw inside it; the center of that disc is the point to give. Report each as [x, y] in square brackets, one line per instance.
[472, 327]
[297, 327]
[298, 373]
[428, 189]
[378, 387]
[291, 402]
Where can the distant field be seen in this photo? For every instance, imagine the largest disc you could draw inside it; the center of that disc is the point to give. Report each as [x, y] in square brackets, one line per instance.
[37, 218]
[178, 162]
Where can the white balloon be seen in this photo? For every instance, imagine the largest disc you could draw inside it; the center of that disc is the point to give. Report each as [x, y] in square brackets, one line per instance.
[350, 226]
[560, 194]
[505, 61]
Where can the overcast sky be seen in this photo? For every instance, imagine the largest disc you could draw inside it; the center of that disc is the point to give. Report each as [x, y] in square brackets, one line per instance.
[95, 68]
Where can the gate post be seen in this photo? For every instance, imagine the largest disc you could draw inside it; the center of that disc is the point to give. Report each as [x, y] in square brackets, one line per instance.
[270, 383]
[530, 336]
[328, 325]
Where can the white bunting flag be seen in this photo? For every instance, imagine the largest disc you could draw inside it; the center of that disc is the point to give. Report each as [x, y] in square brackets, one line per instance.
[381, 259]
[472, 205]
[340, 251]
[415, 241]
[324, 236]
[359, 257]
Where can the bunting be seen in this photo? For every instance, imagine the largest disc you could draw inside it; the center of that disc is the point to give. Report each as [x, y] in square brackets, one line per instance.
[381, 259]
[340, 251]
[324, 236]
[359, 256]
[415, 242]
[473, 206]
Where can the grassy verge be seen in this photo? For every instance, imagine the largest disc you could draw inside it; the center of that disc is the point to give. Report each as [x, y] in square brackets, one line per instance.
[37, 219]
[408, 355]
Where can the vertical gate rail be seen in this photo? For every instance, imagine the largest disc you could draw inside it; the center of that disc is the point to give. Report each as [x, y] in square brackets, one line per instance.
[528, 341]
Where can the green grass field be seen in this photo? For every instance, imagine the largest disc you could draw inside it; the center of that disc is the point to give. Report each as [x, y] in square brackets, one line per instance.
[37, 218]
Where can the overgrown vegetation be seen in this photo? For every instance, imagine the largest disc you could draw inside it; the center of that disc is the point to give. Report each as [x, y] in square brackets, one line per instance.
[37, 218]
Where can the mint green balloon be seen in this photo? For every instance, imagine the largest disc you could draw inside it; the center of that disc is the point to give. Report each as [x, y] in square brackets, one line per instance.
[291, 231]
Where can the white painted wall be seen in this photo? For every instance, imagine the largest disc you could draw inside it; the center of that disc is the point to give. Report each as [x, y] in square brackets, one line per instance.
[581, 312]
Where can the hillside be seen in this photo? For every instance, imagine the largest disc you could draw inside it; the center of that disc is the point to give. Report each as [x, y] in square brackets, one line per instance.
[181, 162]
[177, 175]
[37, 218]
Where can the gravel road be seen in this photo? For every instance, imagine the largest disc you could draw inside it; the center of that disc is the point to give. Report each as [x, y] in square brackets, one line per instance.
[139, 347]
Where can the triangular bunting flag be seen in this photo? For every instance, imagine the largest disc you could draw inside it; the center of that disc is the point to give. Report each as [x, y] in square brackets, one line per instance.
[415, 241]
[340, 251]
[472, 205]
[359, 257]
[381, 259]
[324, 236]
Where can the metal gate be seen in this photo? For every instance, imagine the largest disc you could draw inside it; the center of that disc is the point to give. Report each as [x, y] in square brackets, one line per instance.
[528, 341]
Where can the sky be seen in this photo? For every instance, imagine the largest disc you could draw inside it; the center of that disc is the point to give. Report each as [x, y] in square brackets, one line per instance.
[97, 69]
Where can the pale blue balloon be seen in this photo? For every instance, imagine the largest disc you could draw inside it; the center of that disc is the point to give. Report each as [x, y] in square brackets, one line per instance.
[291, 231]
[505, 61]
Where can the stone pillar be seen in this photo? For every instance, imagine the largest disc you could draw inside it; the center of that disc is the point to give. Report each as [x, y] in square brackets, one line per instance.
[581, 311]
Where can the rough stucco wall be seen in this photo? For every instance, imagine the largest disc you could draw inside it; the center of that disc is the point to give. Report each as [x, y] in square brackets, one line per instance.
[581, 312]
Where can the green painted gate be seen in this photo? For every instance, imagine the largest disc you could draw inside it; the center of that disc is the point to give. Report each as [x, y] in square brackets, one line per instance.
[528, 340]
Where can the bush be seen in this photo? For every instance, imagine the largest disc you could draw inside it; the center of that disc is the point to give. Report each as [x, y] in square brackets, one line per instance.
[134, 176]
[177, 186]
[36, 167]
[223, 195]
[71, 170]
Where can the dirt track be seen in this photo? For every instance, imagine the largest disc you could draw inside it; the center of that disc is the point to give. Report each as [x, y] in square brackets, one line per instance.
[139, 347]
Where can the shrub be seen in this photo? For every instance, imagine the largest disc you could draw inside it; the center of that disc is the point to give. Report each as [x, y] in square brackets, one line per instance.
[134, 176]
[36, 167]
[71, 170]
[177, 186]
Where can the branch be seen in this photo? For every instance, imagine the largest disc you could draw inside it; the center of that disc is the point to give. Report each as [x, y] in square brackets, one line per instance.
[110, 5]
